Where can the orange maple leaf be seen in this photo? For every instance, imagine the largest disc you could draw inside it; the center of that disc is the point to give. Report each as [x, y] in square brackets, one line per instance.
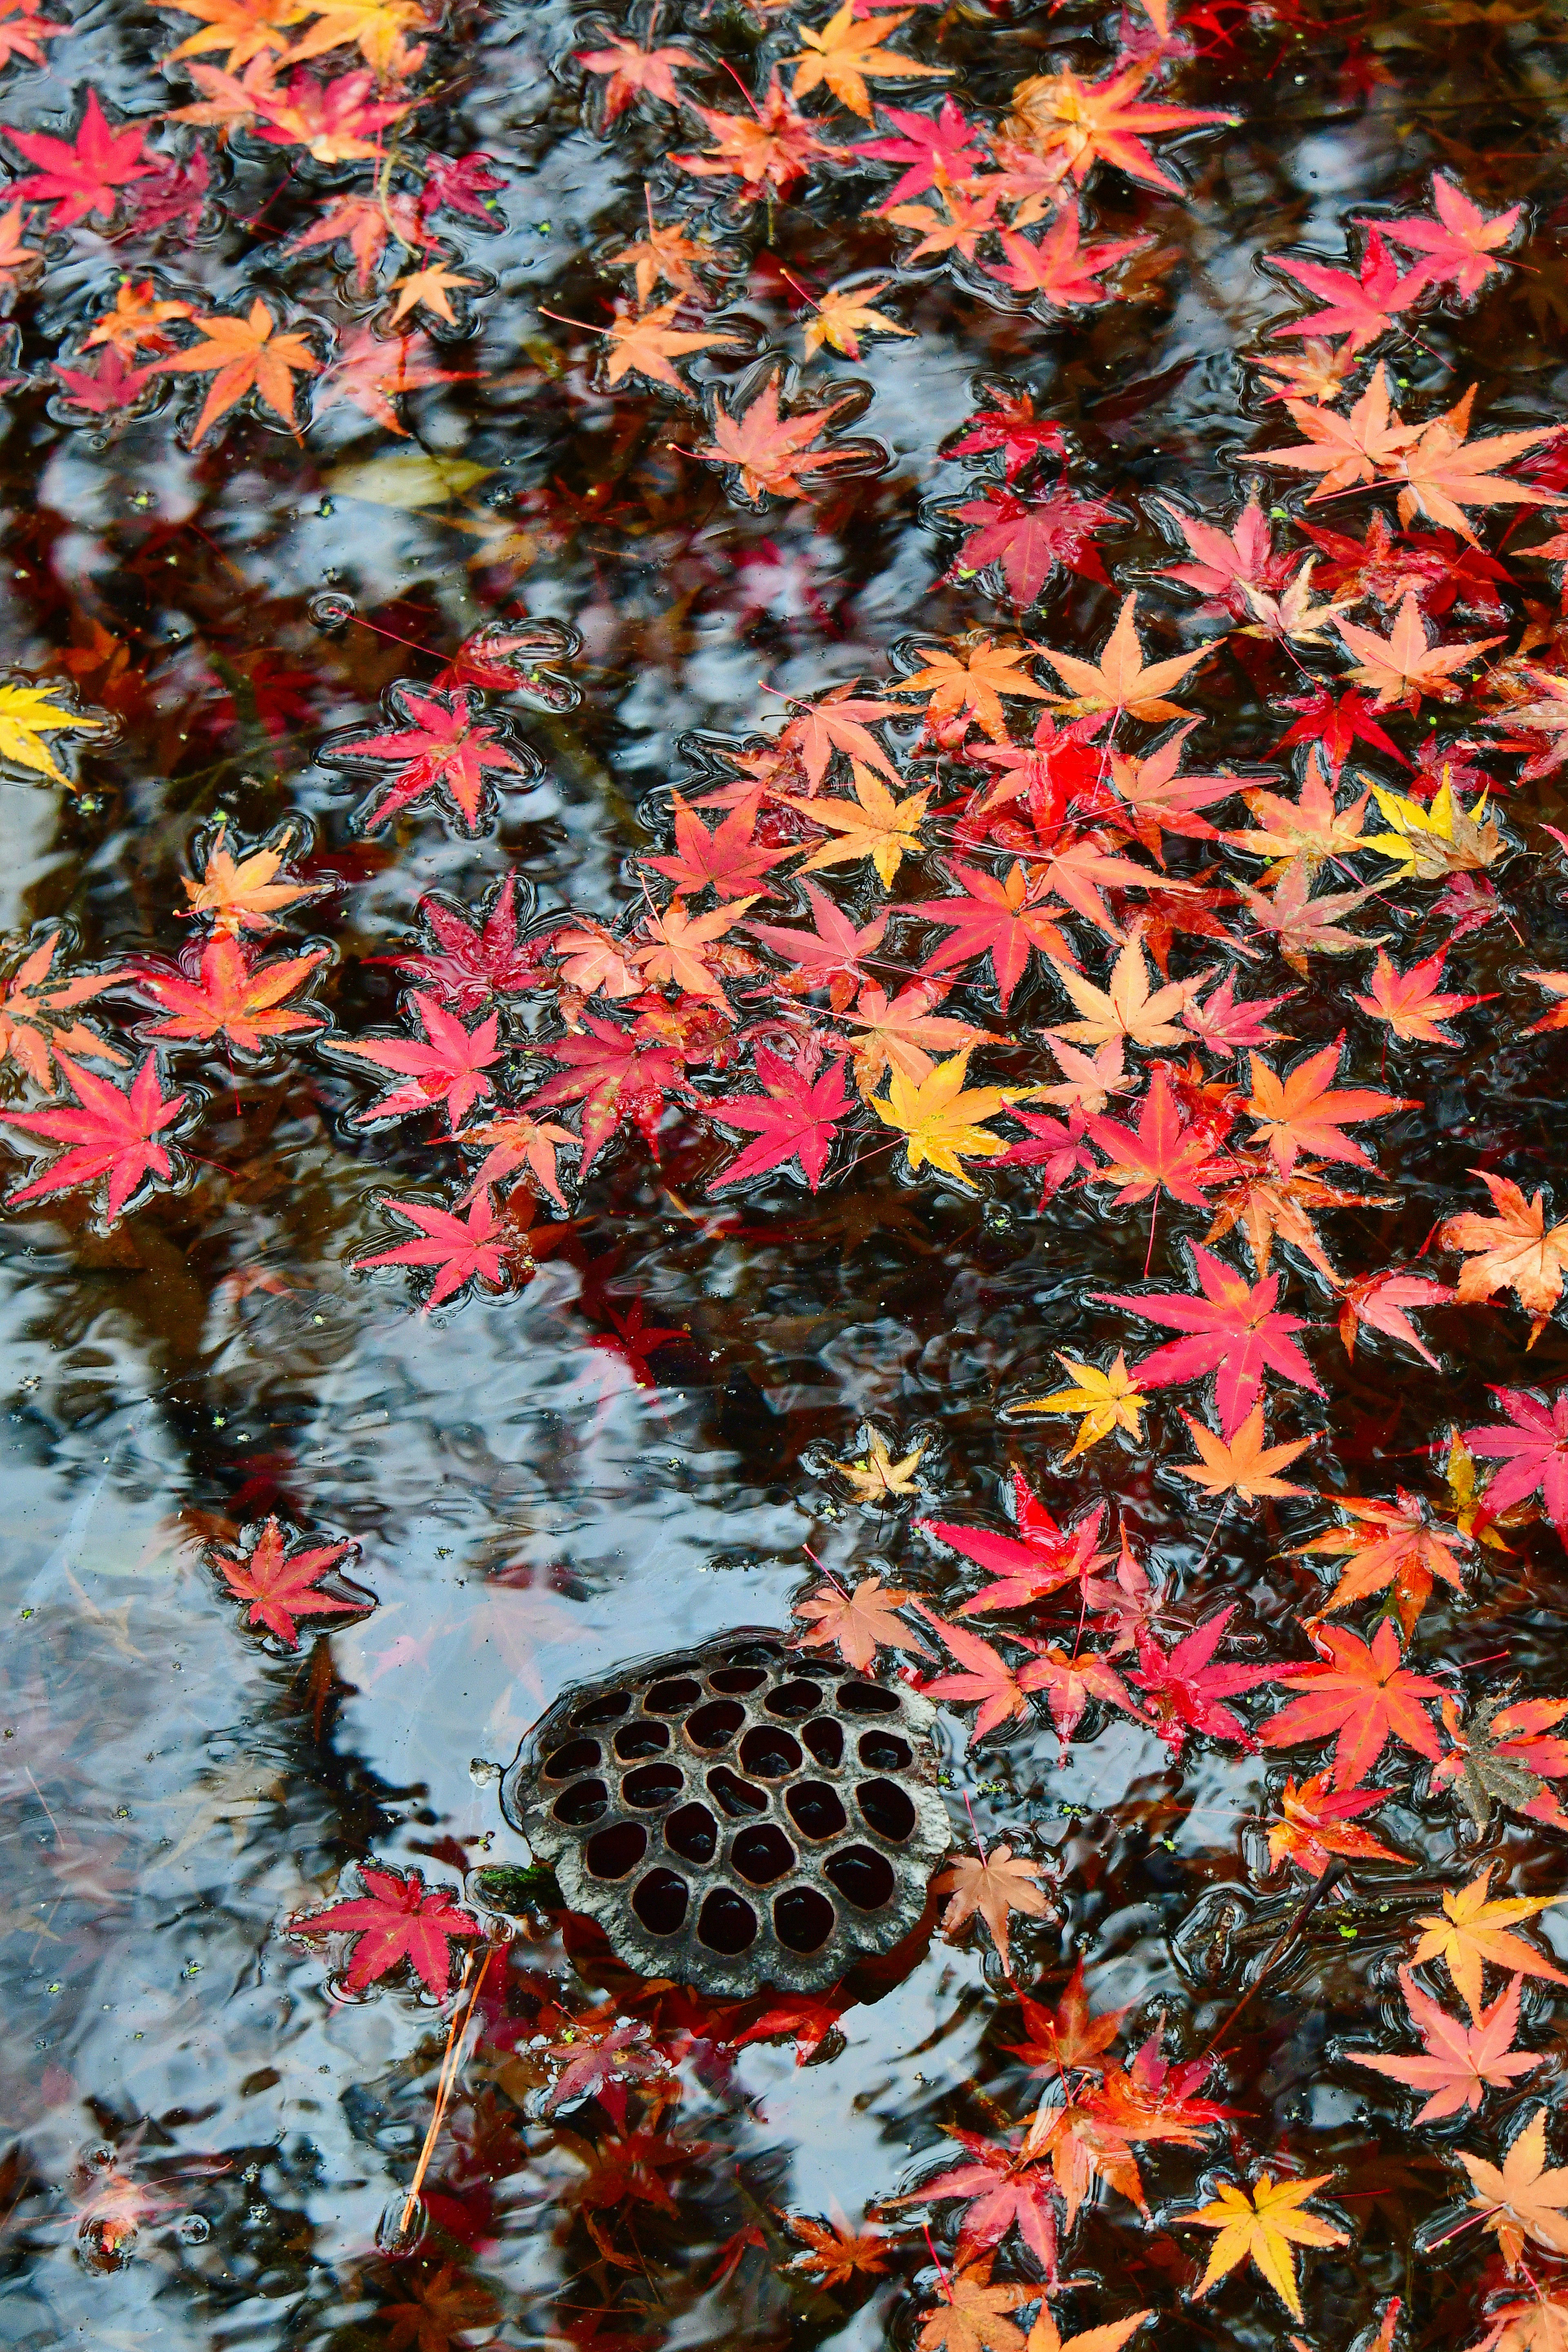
[243, 355]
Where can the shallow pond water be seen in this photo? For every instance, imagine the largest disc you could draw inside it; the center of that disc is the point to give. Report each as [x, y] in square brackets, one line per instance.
[635, 1439]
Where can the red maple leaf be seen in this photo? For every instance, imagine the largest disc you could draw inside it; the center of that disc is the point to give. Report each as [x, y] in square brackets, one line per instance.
[1314, 1826]
[1029, 1566]
[83, 175]
[1362, 1692]
[795, 1117]
[986, 1678]
[937, 150]
[1028, 538]
[1183, 1688]
[1161, 1153]
[615, 1076]
[233, 997]
[632, 72]
[1235, 1331]
[995, 918]
[443, 746]
[1459, 245]
[1362, 306]
[461, 1249]
[372, 370]
[807, 2021]
[1001, 2188]
[396, 1918]
[449, 1069]
[1379, 1300]
[279, 1575]
[1066, 2038]
[829, 957]
[1534, 1449]
[1057, 269]
[1461, 2060]
[729, 860]
[109, 388]
[1338, 722]
[470, 962]
[1008, 423]
[109, 1131]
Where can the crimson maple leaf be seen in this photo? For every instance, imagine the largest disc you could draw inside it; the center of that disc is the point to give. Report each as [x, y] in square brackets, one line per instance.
[1161, 1153]
[1067, 2038]
[807, 2021]
[397, 1917]
[1379, 1300]
[233, 997]
[1315, 1825]
[273, 1568]
[1038, 1561]
[1008, 423]
[1362, 306]
[795, 1117]
[937, 150]
[448, 1069]
[110, 389]
[444, 745]
[1025, 539]
[1235, 1331]
[613, 1076]
[468, 962]
[1461, 2059]
[109, 1131]
[81, 176]
[1184, 1688]
[1535, 1449]
[1338, 723]
[461, 1249]
[1363, 1691]
[1460, 242]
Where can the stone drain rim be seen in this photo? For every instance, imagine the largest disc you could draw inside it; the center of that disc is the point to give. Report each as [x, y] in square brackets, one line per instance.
[802, 1791]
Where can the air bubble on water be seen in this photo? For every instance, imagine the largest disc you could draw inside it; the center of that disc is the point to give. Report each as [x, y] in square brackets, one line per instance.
[402, 2225]
[194, 2231]
[331, 610]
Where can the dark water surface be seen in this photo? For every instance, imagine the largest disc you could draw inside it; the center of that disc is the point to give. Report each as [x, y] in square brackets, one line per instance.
[534, 1500]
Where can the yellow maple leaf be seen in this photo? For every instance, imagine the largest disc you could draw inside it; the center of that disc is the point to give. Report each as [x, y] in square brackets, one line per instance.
[844, 315]
[1265, 2226]
[874, 1476]
[1428, 843]
[28, 713]
[939, 1118]
[1472, 1928]
[1107, 1401]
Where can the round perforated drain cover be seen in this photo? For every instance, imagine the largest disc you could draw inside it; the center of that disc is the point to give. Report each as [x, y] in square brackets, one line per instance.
[735, 1816]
